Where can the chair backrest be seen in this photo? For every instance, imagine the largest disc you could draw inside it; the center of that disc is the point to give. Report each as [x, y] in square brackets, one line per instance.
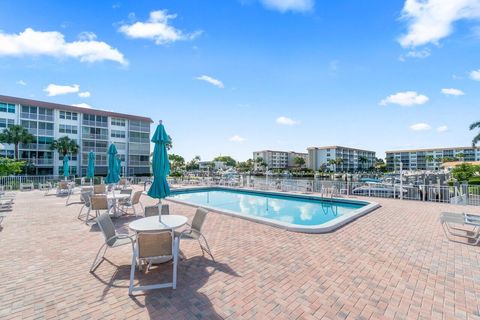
[158, 244]
[99, 202]
[122, 182]
[99, 189]
[165, 209]
[63, 185]
[126, 191]
[151, 211]
[136, 197]
[107, 227]
[85, 197]
[199, 219]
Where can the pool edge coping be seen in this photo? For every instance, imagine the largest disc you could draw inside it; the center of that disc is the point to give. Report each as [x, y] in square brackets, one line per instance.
[326, 227]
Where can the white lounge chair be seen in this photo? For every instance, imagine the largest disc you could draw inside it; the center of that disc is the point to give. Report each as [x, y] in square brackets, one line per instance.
[471, 227]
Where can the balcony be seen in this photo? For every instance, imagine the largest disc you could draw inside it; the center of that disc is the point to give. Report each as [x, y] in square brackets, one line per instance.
[94, 136]
[45, 117]
[92, 123]
[26, 115]
[45, 132]
[139, 163]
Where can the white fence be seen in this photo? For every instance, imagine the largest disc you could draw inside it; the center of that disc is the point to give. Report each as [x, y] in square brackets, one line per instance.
[462, 194]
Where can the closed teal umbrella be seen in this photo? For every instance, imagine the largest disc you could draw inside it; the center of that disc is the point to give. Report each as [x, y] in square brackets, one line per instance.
[118, 166]
[91, 165]
[160, 164]
[112, 176]
[66, 167]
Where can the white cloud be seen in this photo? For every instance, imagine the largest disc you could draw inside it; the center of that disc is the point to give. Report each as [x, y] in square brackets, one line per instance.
[21, 82]
[475, 75]
[52, 43]
[83, 105]
[55, 89]
[407, 98]
[289, 5]
[215, 82]
[442, 128]
[157, 28]
[286, 121]
[84, 94]
[416, 54]
[431, 20]
[453, 92]
[237, 138]
[420, 127]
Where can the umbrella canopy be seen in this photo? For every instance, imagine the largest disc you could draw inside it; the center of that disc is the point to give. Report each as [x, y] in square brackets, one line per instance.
[66, 166]
[118, 166]
[160, 164]
[91, 165]
[112, 176]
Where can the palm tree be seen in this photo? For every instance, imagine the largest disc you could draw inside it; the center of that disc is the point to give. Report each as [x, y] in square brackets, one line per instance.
[15, 135]
[461, 156]
[476, 139]
[362, 160]
[64, 146]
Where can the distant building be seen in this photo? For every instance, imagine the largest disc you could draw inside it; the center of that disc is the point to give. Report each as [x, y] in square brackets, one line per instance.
[428, 159]
[93, 130]
[212, 165]
[279, 159]
[320, 157]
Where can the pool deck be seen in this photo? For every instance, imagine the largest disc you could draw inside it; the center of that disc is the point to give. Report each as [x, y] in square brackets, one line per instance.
[393, 263]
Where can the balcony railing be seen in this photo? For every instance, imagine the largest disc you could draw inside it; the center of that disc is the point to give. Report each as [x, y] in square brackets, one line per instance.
[27, 115]
[138, 163]
[95, 136]
[45, 117]
[45, 132]
[92, 123]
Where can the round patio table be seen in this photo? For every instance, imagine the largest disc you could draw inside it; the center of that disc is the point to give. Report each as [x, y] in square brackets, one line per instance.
[114, 198]
[151, 224]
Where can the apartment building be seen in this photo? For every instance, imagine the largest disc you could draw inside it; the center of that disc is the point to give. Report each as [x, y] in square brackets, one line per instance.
[428, 159]
[278, 159]
[352, 159]
[92, 129]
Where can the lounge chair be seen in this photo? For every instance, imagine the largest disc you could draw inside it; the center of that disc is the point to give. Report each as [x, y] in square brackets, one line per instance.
[112, 238]
[450, 223]
[194, 232]
[150, 247]
[6, 204]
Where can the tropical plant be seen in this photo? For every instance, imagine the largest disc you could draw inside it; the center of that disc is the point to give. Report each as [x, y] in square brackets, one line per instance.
[476, 139]
[465, 171]
[298, 161]
[64, 146]
[362, 160]
[9, 166]
[15, 135]
[169, 144]
[229, 161]
[176, 161]
[461, 156]
[245, 166]
[193, 164]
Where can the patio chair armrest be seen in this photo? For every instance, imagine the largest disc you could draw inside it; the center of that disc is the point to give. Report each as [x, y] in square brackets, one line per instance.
[122, 236]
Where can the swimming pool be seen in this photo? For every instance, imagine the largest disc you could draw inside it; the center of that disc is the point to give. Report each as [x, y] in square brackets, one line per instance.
[294, 212]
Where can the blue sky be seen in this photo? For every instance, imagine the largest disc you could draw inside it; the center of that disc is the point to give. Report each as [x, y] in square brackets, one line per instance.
[233, 76]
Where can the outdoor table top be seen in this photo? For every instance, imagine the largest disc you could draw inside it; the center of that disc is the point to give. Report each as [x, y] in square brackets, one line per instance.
[153, 223]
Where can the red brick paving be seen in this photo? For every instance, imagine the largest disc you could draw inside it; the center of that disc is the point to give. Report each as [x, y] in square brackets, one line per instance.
[394, 263]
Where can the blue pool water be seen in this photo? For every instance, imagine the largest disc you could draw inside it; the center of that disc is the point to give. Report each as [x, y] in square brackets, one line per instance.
[302, 210]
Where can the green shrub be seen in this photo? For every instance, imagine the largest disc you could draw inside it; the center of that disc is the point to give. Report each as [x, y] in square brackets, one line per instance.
[474, 181]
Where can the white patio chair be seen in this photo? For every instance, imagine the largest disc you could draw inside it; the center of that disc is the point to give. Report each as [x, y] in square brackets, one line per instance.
[112, 238]
[194, 232]
[451, 222]
[98, 202]
[85, 198]
[135, 200]
[150, 247]
[99, 189]
[154, 210]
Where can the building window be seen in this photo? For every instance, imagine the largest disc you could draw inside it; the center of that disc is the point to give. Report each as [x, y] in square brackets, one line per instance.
[65, 128]
[121, 145]
[67, 115]
[117, 134]
[6, 123]
[7, 107]
[118, 122]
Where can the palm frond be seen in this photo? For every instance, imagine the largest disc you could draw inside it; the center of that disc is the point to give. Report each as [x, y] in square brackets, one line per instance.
[476, 140]
[475, 125]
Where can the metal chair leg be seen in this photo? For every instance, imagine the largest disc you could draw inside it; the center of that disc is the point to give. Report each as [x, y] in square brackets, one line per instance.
[208, 247]
[95, 264]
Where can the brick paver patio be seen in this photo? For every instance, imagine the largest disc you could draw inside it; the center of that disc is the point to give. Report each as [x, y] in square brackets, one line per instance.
[394, 263]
